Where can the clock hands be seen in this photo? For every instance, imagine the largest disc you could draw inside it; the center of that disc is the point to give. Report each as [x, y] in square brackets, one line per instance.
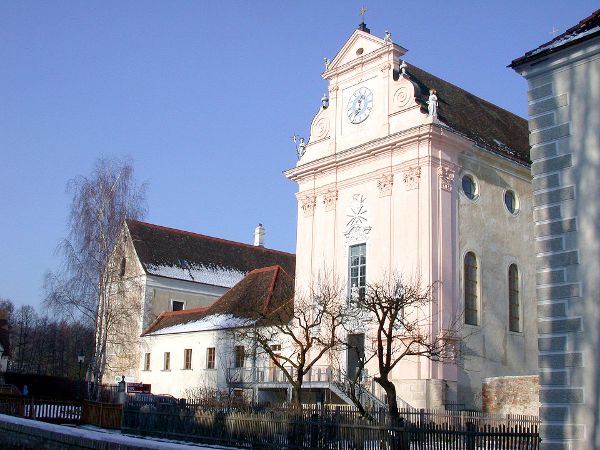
[360, 105]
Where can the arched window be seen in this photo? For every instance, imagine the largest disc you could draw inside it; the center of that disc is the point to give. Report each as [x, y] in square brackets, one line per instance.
[470, 290]
[514, 322]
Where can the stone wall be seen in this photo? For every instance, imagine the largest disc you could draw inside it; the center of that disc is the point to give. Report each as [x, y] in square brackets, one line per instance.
[511, 395]
[565, 136]
[429, 394]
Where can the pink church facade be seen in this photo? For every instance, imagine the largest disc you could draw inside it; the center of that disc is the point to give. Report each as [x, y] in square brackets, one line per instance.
[405, 174]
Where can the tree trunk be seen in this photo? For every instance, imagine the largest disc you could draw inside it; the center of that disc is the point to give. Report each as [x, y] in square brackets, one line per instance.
[297, 395]
[390, 392]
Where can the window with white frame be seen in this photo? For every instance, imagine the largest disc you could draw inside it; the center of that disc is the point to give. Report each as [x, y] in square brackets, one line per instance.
[357, 268]
[177, 305]
[187, 358]
[147, 361]
[167, 361]
[210, 358]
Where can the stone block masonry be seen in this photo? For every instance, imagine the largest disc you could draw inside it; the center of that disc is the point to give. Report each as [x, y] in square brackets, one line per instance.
[553, 165]
[511, 395]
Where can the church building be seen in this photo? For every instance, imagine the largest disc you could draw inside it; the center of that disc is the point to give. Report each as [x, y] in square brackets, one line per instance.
[409, 175]
[403, 174]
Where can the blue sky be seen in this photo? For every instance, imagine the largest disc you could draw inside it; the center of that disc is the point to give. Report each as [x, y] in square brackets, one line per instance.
[204, 97]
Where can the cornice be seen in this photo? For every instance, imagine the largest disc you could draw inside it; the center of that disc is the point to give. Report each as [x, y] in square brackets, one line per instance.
[396, 172]
[360, 152]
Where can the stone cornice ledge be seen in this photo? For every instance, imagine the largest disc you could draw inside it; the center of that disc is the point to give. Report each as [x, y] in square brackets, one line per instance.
[364, 150]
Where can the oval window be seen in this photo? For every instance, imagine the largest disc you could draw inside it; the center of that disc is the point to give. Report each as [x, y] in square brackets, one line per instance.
[469, 187]
[510, 201]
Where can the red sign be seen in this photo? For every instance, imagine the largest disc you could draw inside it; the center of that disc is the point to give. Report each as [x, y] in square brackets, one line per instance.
[138, 388]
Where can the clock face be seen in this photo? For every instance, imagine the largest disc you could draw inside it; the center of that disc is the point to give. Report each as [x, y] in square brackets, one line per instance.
[360, 105]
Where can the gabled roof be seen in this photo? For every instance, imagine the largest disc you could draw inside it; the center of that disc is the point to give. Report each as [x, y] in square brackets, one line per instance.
[586, 29]
[500, 131]
[251, 301]
[183, 255]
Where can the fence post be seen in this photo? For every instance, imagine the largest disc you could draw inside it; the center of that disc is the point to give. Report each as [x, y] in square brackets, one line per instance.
[314, 431]
[470, 436]
[422, 417]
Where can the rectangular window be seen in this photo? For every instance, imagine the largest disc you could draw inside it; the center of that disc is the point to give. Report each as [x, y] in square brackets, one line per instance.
[147, 361]
[210, 358]
[177, 305]
[187, 358]
[167, 365]
[357, 266]
[240, 356]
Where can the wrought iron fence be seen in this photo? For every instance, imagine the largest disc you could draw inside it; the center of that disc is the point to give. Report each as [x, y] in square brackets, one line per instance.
[323, 429]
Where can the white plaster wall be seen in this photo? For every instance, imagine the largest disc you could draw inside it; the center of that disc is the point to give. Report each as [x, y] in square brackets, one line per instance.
[176, 380]
[161, 292]
[498, 240]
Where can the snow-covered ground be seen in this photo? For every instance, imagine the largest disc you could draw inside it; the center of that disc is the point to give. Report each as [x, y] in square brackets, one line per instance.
[113, 436]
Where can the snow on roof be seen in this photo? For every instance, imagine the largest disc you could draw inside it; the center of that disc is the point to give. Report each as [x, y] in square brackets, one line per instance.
[564, 40]
[218, 276]
[213, 322]
[585, 29]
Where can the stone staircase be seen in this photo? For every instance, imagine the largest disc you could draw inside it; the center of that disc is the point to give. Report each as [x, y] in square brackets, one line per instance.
[320, 377]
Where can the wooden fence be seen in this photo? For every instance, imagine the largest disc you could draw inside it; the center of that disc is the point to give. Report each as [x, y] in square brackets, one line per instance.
[107, 415]
[278, 429]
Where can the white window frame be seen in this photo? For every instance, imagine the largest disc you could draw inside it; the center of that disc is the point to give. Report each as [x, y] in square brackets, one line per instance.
[179, 301]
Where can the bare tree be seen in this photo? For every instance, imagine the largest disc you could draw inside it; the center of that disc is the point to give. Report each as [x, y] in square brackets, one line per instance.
[401, 326]
[88, 288]
[300, 333]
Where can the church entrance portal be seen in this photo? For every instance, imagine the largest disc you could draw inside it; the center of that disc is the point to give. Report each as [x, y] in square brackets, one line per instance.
[356, 354]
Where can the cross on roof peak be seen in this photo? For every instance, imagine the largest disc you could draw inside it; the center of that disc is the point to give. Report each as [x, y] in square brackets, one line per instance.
[363, 11]
[363, 27]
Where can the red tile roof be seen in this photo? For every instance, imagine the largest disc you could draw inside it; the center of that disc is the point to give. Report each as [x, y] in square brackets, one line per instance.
[260, 295]
[183, 251]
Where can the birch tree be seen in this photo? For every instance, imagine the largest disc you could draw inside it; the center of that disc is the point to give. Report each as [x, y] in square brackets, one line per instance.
[87, 288]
